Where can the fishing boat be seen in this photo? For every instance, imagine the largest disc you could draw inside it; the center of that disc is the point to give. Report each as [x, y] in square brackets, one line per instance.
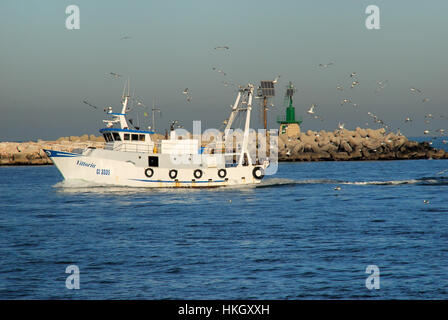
[133, 157]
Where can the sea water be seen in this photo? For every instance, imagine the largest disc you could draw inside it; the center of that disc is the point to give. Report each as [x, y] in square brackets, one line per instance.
[292, 237]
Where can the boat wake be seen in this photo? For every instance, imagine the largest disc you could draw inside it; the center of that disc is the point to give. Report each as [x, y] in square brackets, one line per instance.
[282, 182]
[76, 186]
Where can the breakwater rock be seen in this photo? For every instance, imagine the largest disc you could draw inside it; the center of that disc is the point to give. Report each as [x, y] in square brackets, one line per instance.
[359, 144]
[339, 145]
[31, 153]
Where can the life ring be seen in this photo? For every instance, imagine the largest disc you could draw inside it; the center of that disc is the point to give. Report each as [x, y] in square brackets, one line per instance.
[258, 173]
[173, 174]
[149, 172]
[197, 173]
[222, 173]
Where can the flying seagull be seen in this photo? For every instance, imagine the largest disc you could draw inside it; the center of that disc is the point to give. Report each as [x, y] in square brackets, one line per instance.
[354, 84]
[89, 104]
[115, 75]
[345, 101]
[352, 74]
[414, 90]
[326, 65]
[126, 38]
[276, 79]
[311, 110]
[381, 85]
[219, 70]
[222, 48]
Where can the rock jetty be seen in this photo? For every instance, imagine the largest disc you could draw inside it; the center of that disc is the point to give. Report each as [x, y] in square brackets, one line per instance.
[31, 153]
[359, 144]
[339, 145]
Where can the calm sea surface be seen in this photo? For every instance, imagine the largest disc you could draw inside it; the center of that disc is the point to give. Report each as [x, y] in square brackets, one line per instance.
[293, 237]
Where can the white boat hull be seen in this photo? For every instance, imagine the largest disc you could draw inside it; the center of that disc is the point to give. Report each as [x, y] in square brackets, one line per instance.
[125, 173]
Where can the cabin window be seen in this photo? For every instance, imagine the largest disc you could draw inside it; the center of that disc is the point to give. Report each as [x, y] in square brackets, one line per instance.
[108, 137]
[134, 137]
[116, 136]
[142, 137]
[126, 136]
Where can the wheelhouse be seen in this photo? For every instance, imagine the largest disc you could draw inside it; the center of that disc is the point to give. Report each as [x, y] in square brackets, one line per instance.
[128, 140]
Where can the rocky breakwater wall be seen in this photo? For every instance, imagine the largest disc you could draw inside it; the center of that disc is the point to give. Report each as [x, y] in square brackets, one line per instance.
[31, 153]
[360, 144]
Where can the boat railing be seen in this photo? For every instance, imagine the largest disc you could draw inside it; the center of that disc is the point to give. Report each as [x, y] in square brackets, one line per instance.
[133, 147]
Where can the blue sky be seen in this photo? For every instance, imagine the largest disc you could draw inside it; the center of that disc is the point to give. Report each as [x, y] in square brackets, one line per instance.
[46, 70]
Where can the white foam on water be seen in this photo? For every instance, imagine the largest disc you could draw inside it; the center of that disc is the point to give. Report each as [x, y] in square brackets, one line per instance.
[381, 183]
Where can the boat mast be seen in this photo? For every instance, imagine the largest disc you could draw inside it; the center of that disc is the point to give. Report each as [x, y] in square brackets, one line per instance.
[232, 115]
[125, 101]
[154, 110]
[244, 149]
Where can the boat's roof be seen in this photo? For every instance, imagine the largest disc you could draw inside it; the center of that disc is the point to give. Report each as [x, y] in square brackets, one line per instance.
[124, 130]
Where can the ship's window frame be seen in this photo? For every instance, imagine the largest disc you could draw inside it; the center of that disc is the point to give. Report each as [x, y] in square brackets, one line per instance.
[108, 137]
[141, 137]
[134, 137]
[116, 136]
[127, 137]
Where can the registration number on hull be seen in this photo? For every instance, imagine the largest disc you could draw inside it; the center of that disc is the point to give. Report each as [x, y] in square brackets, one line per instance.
[103, 172]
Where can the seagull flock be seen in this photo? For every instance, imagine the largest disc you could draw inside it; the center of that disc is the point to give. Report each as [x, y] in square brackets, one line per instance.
[312, 111]
[380, 86]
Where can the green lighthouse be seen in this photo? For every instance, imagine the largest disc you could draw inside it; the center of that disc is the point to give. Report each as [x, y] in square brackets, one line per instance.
[288, 123]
